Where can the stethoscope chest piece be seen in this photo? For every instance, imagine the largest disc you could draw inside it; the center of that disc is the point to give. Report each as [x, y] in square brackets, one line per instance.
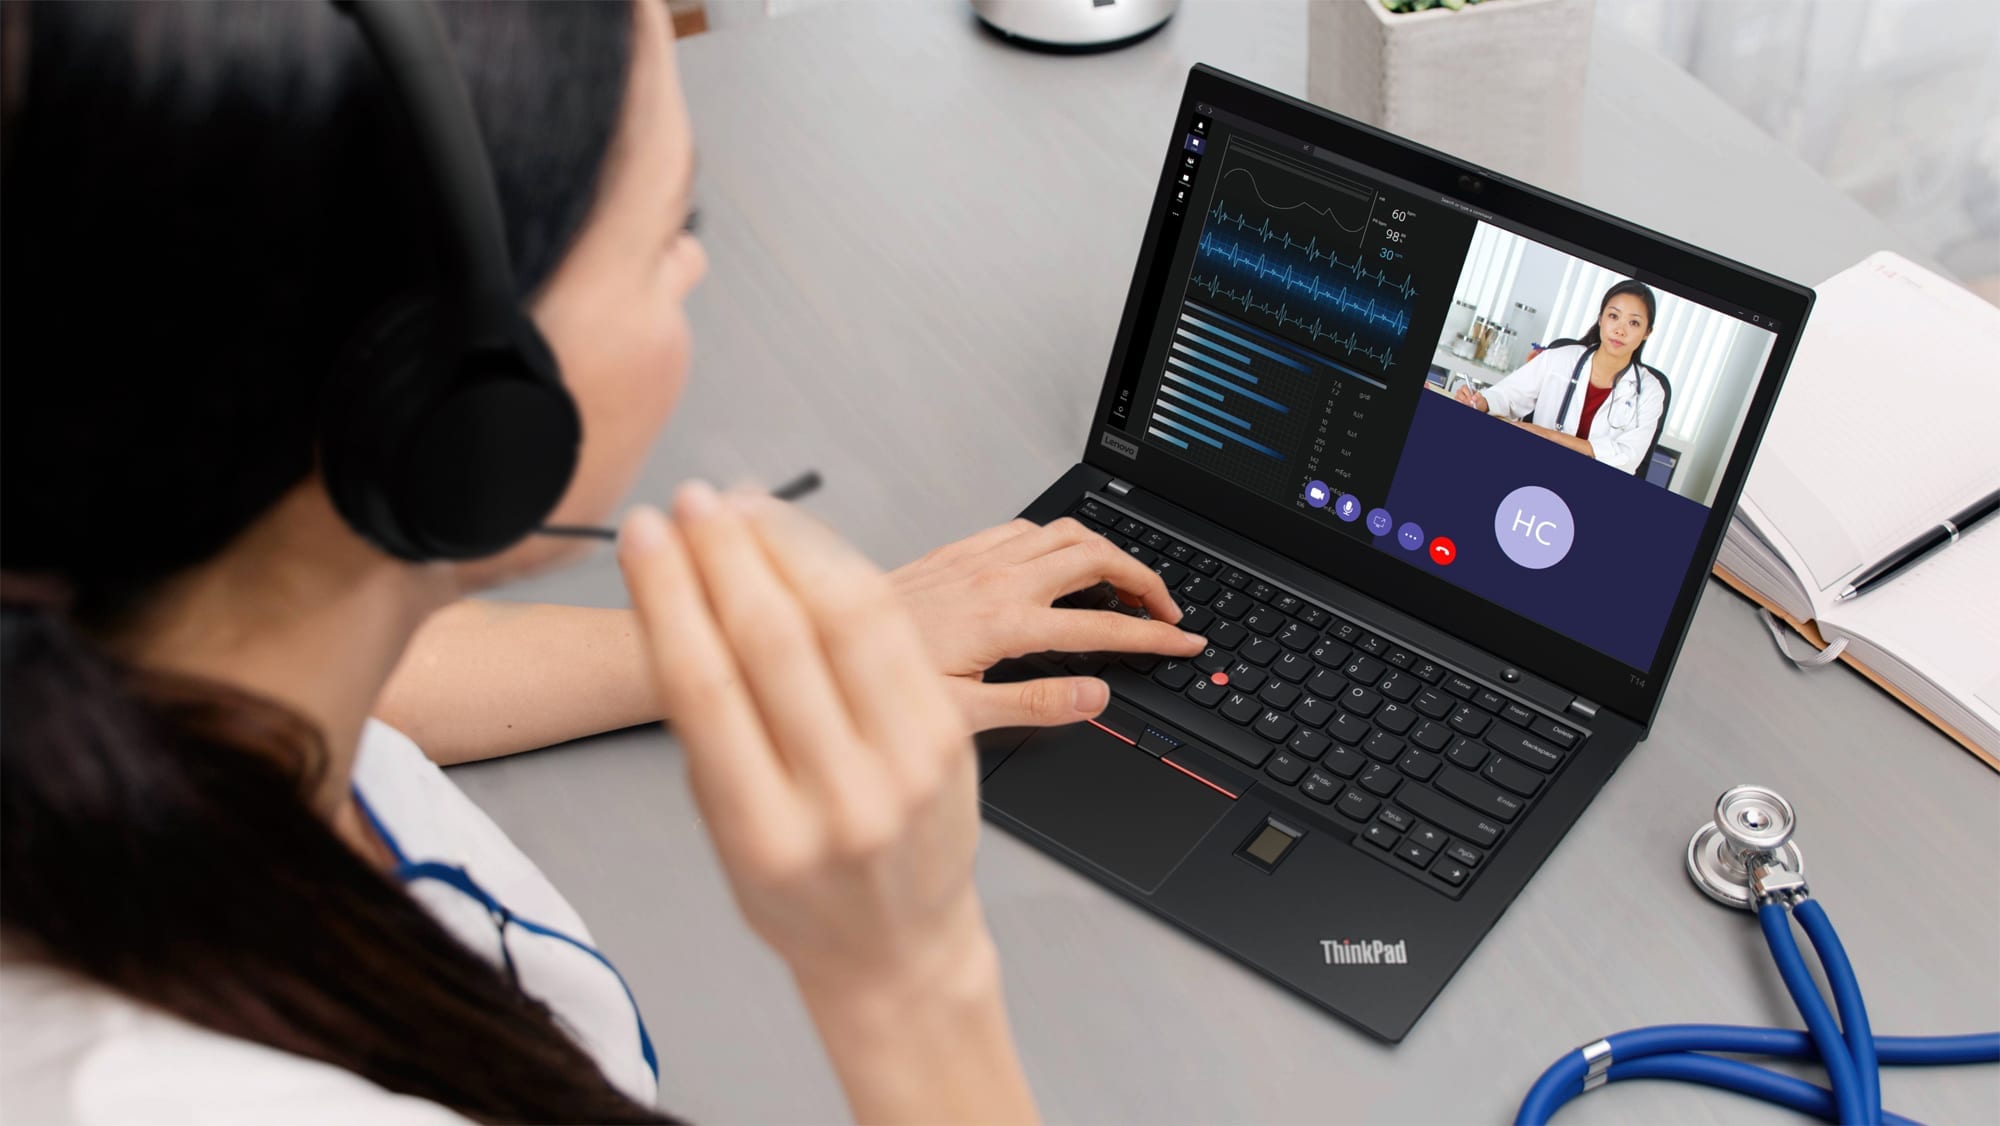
[1751, 825]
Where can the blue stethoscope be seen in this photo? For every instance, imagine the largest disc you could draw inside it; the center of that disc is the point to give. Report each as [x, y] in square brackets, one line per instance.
[1745, 858]
[457, 878]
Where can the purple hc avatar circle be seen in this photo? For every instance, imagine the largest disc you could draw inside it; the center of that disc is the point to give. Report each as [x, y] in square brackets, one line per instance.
[1347, 508]
[1379, 521]
[1534, 527]
[1410, 536]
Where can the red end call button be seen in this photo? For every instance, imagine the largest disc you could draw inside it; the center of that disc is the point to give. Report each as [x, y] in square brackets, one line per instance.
[1443, 551]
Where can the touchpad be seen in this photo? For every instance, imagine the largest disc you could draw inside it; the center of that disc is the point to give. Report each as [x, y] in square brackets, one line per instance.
[1111, 802]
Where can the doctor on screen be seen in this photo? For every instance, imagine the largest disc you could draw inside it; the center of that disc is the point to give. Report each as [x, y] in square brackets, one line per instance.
[1592, 396]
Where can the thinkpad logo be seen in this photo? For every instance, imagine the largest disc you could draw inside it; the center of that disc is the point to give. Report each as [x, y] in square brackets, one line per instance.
[1114, 442]
[1346, 952]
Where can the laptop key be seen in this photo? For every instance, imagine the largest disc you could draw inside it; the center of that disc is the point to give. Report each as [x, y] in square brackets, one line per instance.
[1227, 634]
[1467, 754]
[1430, 735]
[1245, 678]
[1233, 578]
[1356, 804]
[1383, 747]
[1398, 686]
[1345, 631]
[1140, 662]
[1247, 751]
[1380, 780]
[1414, 853]
[1258, 650]
[1395, 818]
[1261, 591]
[1528, 748]
[1453, 818]
[1401, 658]
[1195, 618]
[1513, 776]
[1372, 645]
[1262, 620]
[1419, 765]
[1279, 695]
[1490, 700]
[1310, 745]
[1094, 511]
[1170, 572]
[1275, 726]
[1349, 729]
[1205, 563]
[1231, 604]
[1179, 552]
[1516, 714]
[1131, 529]
[1240, 707]
[1364, 670]
[1430, 672]
[1292, 667]
[1174, 675]
[1380, 835]
[1287, 603]
[1460, 687]
[1450, 871]
[1326, 683]
[1470, 720]
[1285, 768]
[1320, 787]
[1205, 692]
[1296, 636]
[1156, 540]
[1200, 590]
[1464, 853]
[1331, 653]
[1212, 659]
[1430, 701]
[1428, 836]
[1142, 553]
[1361, 701]
[1313, 711]
[1395, 717]
[1315, 617]
[1490, 800]
[1554, 732]
[1344, 761]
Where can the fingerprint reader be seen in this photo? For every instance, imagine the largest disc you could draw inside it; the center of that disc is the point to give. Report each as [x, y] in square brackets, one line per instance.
[1269, 845]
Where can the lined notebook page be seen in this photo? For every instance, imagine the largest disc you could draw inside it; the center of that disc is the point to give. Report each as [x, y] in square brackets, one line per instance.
[1888, 423]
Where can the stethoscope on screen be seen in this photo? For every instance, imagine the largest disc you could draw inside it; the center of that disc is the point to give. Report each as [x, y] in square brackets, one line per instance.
[1629, 407]
[1745, 858]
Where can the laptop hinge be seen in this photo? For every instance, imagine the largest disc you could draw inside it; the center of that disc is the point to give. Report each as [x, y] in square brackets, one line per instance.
[1117, 488]
[1583, 707]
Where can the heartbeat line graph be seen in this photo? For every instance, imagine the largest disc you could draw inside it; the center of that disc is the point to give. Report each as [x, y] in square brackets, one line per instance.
[1376, 314]
[1326, 212]
[1282, 314]
[1358, 268]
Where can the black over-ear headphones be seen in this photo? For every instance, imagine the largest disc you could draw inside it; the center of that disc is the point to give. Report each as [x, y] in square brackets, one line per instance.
[447, 432]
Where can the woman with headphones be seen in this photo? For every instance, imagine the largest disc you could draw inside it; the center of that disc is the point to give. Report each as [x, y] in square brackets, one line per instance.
[314, 314]
[1593, 395]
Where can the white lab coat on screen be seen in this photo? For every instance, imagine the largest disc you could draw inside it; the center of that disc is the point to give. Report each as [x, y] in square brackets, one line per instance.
[1623, 430]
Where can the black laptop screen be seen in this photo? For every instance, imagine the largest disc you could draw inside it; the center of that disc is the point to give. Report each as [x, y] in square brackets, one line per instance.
[1526, 419]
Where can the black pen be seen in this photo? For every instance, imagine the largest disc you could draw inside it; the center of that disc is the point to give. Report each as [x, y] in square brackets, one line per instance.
[791, 490]
[1945, 533]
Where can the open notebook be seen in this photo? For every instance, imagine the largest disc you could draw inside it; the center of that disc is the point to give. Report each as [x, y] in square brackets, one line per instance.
[1888, 423]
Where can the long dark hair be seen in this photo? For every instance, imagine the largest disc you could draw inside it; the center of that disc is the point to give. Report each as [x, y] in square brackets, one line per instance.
[1637, 289]
[202, 201]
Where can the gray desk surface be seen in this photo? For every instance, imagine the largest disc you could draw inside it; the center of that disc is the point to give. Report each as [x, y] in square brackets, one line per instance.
[921, 243]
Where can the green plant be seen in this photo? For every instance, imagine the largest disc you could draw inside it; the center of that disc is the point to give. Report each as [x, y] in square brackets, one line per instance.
[1400, 6]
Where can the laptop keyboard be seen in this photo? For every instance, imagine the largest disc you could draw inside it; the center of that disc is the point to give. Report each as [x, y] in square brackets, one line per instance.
[1429, 769]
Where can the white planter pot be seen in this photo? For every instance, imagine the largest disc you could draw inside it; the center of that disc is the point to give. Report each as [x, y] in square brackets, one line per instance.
[1498, 83]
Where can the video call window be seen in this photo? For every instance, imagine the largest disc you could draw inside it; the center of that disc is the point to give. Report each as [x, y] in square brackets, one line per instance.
[1580, 354]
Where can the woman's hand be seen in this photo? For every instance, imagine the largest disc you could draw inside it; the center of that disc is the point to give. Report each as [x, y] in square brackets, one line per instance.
[1465, 394]
[834, 774]
[987, 598]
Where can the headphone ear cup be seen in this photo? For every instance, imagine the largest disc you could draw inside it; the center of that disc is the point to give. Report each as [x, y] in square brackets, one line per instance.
[435, 449]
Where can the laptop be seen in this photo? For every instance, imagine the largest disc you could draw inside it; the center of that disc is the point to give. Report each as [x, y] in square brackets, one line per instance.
[1433, 633]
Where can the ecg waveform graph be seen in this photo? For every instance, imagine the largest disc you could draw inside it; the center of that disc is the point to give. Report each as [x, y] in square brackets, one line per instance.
[1378, 314]
[1315, 330]
[1358, 269]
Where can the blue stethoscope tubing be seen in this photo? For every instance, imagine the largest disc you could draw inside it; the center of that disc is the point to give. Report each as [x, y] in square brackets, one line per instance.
[1850, 1050]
